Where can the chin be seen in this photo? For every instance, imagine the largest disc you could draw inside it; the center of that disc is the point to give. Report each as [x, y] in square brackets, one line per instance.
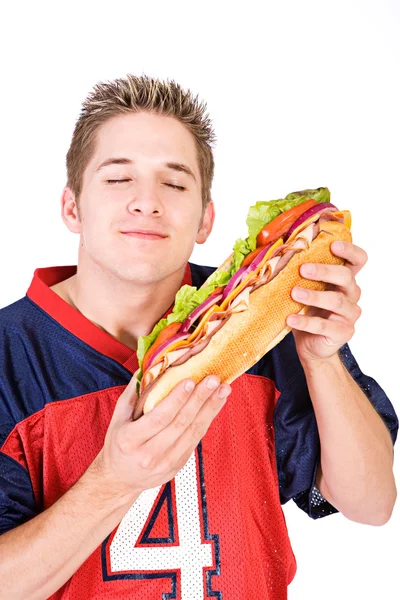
[142, 273]
[141, 269]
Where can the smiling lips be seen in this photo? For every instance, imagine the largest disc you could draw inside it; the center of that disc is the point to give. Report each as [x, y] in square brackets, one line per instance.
[145, 234]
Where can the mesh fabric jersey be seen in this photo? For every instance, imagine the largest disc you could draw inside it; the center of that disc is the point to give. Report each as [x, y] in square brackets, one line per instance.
[217, 530]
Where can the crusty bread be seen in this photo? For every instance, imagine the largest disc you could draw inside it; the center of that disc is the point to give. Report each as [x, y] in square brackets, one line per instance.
[248, 335]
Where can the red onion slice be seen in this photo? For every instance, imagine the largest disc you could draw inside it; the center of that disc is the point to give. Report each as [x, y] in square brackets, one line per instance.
[211, 300]
[244, 271]
[172, 340]
[258, 258]
[235, 280]
[314, 210]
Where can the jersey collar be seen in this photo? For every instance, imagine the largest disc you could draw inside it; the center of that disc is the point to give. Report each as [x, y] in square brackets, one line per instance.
[40, 293]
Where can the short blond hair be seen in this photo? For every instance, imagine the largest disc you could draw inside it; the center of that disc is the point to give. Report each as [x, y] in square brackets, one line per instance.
[133, 94]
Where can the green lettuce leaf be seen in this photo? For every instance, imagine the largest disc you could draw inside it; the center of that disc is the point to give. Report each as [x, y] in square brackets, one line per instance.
[187, 299]
[217, 279]
[240, 250]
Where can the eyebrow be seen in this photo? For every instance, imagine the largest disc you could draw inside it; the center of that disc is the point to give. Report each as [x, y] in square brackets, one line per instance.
[175, 166]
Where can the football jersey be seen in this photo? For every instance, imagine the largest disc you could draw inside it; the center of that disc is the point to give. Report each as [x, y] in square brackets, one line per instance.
[217, 530]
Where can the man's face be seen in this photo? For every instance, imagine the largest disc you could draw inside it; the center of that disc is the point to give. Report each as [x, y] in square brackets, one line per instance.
[139, 218]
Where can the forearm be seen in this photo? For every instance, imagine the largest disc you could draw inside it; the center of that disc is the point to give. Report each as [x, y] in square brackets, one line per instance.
[356, 473]
[56, 542]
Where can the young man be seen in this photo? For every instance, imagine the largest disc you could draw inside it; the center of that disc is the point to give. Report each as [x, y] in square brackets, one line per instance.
[184, 502]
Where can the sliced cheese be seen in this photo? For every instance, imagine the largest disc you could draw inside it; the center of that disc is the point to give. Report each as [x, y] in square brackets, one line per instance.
[346, 215]
[213, 309]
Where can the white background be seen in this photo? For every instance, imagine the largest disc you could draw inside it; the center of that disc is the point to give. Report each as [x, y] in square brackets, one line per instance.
[302, 94]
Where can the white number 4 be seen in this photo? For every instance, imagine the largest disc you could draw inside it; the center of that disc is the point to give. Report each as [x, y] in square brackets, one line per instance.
[190, 557]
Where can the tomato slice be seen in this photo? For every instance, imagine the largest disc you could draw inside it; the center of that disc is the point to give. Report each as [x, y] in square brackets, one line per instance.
[166, 333]
[249, 258]
[281, 224]
[218, 290]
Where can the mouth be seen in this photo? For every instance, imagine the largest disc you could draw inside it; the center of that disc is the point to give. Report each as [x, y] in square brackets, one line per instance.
[144, 234]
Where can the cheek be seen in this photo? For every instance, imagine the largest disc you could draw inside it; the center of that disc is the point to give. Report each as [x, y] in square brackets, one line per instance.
[95, 228]
[188, 221]
[97, 213]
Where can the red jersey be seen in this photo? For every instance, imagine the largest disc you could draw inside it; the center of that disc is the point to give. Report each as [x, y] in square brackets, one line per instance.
[217, 530]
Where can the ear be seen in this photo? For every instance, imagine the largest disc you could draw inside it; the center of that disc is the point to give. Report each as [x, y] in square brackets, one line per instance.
[69, 211]
[206, 224]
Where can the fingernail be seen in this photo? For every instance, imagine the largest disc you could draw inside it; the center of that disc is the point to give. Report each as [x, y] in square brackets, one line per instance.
[300, 292]
[308, 269]
[189, 386]
[223, 392]
[212, 383]
[291, 320]
[338, 247]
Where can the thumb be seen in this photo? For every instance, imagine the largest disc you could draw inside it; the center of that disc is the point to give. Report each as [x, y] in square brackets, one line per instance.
[125, 404]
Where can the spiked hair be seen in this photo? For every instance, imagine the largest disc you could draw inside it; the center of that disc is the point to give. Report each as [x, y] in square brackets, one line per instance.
[134, 94]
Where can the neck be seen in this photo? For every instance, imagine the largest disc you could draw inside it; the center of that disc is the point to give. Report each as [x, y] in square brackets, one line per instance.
[124, 309]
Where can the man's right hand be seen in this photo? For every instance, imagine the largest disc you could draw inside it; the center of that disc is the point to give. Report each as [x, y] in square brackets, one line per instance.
[149, 451]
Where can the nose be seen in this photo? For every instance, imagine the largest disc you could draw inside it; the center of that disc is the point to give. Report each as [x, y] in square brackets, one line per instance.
[145, 201]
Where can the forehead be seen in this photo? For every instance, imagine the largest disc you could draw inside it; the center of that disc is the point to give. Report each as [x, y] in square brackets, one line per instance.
[145, 137]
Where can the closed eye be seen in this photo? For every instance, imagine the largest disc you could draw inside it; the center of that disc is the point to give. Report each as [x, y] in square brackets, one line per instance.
[176, 187]
[111, 181]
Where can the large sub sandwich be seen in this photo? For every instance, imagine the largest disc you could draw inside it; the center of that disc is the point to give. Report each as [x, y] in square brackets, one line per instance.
[239, 313]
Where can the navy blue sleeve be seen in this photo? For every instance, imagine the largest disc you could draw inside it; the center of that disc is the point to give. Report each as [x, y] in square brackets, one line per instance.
[17, 503]
[296, 433]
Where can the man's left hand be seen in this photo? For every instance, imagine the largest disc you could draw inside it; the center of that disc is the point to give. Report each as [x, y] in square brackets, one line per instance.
[330, 320]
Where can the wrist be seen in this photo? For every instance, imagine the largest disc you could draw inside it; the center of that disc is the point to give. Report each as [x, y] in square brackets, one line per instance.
[314, 366]
[108, 491]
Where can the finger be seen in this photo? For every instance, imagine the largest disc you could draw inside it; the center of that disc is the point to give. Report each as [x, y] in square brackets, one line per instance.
[335, 332]
[126, 403]
[335, 317]
[354, 256]
[164, 413]
[185, 418]
[333, 301]
[190, 438]
[337, 275]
